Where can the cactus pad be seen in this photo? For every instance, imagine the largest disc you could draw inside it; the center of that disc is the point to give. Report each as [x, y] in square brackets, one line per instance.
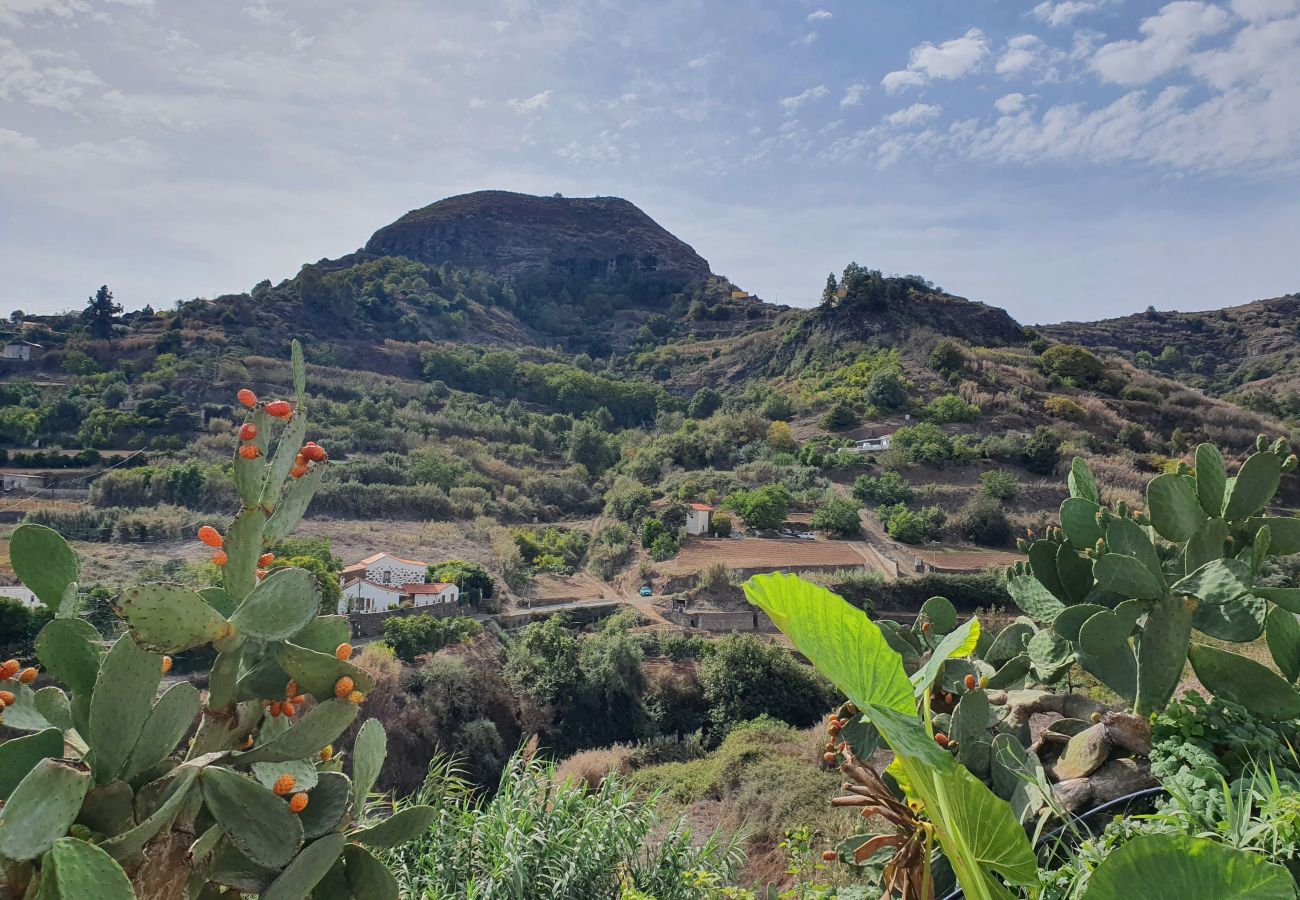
[1079, 522]
[1162, 653]
[1283, 633]
[1239, 621]
[282, 604]
[1211, 479]
[1256, 483]
[42, 807]
[170, 618]
[43, 561]
[76, 869]
[1245, 681]
[1128, 577]
[1176, 513]
[19, 755]
[1081, 481]
[256, 821]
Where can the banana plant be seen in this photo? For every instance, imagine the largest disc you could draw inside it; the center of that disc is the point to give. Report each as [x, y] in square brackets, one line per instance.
[102, 798]
[976, 830]
[1125, 590]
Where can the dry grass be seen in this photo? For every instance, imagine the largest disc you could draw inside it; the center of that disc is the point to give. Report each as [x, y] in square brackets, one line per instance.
[591, 767]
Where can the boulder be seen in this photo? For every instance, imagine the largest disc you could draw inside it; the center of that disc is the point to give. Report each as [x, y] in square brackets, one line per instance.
[1128, 732]
[1084, 754]
[1119, 777]
[1074, 794]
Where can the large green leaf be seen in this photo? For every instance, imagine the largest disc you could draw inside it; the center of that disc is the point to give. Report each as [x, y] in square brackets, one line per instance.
[839, 640]
[43, 561]
[957, 645]
[77, 869]
[1179, 867]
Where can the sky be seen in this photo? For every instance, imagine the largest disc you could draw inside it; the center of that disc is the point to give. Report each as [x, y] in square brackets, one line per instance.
[1067, 159]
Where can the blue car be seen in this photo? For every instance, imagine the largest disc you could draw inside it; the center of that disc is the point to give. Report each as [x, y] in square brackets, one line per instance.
[645, 591]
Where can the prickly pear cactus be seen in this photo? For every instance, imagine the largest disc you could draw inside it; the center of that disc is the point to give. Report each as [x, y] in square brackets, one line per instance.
[102, 798]
[1124, 590]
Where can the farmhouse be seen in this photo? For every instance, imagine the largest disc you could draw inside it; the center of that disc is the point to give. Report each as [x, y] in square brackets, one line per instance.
[873, 445]
[382, 582]
[29, 482]
[697, 518]
[21, 350]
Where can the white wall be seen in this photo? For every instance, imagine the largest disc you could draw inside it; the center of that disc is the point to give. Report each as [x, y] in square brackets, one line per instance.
[450, 595]
[21, 594]
[697, 521]
[366, 597]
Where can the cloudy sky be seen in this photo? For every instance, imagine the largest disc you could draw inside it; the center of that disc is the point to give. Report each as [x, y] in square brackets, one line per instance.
[1065, 159]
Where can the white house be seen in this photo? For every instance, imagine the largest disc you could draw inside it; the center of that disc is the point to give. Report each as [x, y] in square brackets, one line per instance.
[21, 481]
[697, 518]
[873, 445]
[21, 594]
[386, 569]
[429, 594]
[23, 350]
[360, 595]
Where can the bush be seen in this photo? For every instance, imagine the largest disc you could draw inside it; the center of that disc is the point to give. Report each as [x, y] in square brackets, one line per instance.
[411, 636]
[912, 526]
[780, 438]
[981, 520]
[840, 416]
[765, 507]
[1133, 437]
[1072, 362]
[704, 403]
[886, 390]
[885, 489]
[720, 524]
[837, 516]
[1064, 408]
[665, 546]
[777, 406]
[951, 408]
[19, 623]
[610, 551]
[923, 443]
[947, 358]
[628, 500]
[999, 484]
[476, 585]
[1042, 451]
[968, 592]
[747, 677]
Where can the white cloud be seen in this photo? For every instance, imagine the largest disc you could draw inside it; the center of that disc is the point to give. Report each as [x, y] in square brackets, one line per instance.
[1264, 10]
[854, 95]
[1168, 38]
[601, 150]
[951, 59]
[792, 104]
[807, 39]
[1010, 104]
[27, 78]
[1057, 14]
[11, 11]
[820, 15]
[536, 102]
[477, 103]
[911, 115]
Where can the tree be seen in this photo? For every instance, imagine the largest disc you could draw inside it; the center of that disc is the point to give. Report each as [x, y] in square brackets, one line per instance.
[830, 291]
[840, 416]
[763, 508]
[747, 677]
[326, 579]
[476, 585]
[665, 546]
[412, 636]
[777, 406]
[720, 524]
[628, 500]
[999, 484]
[433, 465]
[886, 390]
[780, 438]
[651, 531]
[705, 403]
[1042, 451]
[885, 489]
[837, 516]
[100, 311]
[1072, 362]
[591, 447]
[912, 526]
[946, 358]
[981, 520]
[951, 408]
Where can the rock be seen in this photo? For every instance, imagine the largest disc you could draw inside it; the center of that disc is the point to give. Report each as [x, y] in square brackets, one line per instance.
[1084, 754]
[1039, 723]
[1074, 795]
[1119, 777]
[516, 234]
[1128, 732]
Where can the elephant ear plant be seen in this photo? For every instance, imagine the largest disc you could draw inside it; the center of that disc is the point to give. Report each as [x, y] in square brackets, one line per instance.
[1126, 590]
[103, 798]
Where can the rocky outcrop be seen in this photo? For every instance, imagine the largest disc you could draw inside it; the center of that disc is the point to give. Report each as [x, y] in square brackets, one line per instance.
[516, 234]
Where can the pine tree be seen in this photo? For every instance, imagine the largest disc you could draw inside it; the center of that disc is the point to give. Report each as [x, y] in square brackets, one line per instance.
[100, 310]
[830, 291]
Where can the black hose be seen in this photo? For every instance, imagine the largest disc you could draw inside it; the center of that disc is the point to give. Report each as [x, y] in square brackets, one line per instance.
[1080, 822]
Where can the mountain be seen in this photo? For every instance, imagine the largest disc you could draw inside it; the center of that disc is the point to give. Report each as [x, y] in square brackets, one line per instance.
[511, 234]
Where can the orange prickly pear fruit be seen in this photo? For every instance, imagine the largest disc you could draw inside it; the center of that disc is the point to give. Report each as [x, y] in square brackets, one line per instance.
[280, 409]
[220, 558]
[166, 664]
[927, 627]
[947, 698]
[8, 669]
[300, 460]
[288, 709]
[343, 652]
[248, 431]
[828, 757]
[297, 471]
[970, 682]
[284, 784]
[6, 699]
[247, 398]
[314, 452]
[274, 709]
[298, 700]
[27, 675]
[829, 856]
[356, 697]
[250, 451]
[291, 689]
[247, 744]
[343, 687]
[941, 739]
[210, 536]
[265, 560]
[298, 802]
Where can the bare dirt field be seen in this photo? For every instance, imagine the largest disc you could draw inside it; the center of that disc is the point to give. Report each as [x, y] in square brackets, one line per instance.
[759, 553]
[568, 588]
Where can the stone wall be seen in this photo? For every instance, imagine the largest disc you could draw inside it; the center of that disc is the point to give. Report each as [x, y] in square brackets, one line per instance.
[372, 624]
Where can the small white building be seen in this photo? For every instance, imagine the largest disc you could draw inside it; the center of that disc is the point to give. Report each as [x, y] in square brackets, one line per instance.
[21, 481]
[21, 350]
[873, 445]
[386, 569]
[22, 595]
[698, 517]
[430, 594]
[360, 595]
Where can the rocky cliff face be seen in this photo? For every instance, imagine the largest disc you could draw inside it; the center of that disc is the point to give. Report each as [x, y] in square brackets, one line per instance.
[516, 234]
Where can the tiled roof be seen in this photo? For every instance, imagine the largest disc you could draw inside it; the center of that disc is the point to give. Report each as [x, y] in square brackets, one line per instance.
[436, 588]
[702, 507]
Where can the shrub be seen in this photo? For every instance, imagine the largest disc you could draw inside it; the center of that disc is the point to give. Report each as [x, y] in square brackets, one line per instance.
[951, 408]
[411, 636]
[840, 416]
[887, 390]
[1042, 451]
[981, 520]
[20, 623]
[1064, 408]
[747, 677]
[777, 406]
[968, 592]
[704, 403]
[999, 484]
[1072, 362]
[837, 516]
[885, 489]
[947, 358]
[912, 526]
[923, 443]
[765, 507]
[610, 551]
[628, 500]
[476, 585]
[1133, 437]
[720, 524]
[780, 438]
[665, 546]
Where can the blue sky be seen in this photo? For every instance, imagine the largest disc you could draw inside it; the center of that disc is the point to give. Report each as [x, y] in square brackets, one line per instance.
[1065, 160]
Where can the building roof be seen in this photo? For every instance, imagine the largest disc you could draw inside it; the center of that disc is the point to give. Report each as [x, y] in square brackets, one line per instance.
[27, 343]
[702, 507]
[436, 588]
[371, 560]
[389, 588]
